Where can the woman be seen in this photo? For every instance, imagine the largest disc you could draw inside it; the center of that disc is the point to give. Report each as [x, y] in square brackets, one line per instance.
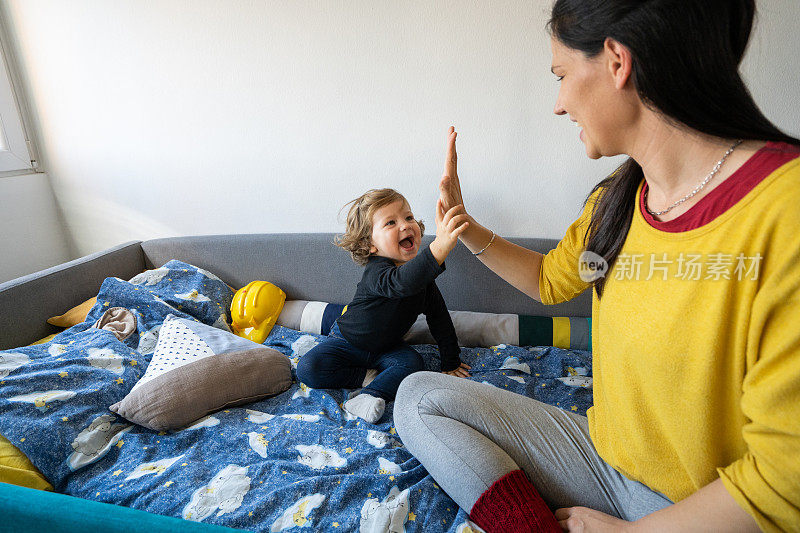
[696, 416]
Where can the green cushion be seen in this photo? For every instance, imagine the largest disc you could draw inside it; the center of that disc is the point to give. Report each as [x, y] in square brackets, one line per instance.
[35, 511]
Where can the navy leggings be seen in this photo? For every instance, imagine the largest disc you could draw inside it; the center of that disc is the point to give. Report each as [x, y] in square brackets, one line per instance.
[335, 363]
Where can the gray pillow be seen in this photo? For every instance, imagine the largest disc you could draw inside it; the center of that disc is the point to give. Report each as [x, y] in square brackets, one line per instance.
[198, 369]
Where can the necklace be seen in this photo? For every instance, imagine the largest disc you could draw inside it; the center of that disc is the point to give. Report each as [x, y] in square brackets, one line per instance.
[696, 189]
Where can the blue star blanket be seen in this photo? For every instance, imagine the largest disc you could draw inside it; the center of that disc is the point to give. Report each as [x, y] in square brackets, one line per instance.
[295, 461]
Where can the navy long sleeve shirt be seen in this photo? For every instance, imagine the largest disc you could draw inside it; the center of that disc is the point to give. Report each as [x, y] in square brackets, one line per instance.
[388, 300]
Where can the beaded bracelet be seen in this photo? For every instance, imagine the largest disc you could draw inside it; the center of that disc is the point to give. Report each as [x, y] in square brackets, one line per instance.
[485, 247]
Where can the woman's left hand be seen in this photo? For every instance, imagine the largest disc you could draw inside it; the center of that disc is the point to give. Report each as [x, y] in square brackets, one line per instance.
[585, 520]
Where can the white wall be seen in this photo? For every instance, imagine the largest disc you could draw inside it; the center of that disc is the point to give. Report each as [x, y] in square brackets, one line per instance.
[31, 238]
[194, 117]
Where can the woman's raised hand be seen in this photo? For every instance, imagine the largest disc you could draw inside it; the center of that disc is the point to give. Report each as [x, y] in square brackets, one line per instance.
[449, 186]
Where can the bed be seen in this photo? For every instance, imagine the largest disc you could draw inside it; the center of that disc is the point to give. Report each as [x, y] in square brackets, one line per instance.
[291, 461]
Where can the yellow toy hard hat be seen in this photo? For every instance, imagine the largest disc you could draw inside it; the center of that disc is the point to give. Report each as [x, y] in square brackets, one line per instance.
[255, 309]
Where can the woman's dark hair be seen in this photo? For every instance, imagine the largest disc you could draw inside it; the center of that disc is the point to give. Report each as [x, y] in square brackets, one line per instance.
[686, 58]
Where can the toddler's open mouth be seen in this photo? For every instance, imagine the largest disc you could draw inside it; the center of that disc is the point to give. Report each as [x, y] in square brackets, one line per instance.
[407, 243]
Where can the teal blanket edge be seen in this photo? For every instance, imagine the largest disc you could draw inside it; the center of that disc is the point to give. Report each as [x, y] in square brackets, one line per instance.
[38, 511]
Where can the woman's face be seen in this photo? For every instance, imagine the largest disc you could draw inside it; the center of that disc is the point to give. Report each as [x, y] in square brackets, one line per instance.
[587, 94]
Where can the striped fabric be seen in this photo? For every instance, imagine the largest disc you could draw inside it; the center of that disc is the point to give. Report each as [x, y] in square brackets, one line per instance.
[561, 332]
[473, 329]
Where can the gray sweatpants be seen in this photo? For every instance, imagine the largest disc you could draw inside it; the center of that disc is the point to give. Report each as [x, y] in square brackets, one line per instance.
[468, 435]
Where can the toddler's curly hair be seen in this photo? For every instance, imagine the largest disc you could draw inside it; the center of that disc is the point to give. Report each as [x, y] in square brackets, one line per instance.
[357, 238]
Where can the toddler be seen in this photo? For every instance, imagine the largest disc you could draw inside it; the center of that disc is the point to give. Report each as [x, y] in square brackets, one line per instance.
[365, 347]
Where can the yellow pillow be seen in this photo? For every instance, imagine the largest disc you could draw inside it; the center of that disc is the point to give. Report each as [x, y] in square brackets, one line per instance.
[17, 469]
[76, 315]
[42, 341]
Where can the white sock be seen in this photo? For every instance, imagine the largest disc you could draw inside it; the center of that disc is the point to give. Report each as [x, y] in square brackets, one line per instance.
[366, 406]
[372, 373]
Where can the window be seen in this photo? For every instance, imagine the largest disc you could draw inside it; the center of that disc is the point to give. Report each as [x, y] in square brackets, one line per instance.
[16, 150]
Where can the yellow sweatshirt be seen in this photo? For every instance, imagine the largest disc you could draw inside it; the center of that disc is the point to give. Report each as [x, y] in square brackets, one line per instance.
[696, 347]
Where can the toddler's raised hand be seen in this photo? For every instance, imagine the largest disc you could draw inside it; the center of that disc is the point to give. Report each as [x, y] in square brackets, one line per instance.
[449, 225]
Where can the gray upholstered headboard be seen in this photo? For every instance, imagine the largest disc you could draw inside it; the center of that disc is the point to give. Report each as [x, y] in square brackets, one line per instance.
[307, 266]
[27, 302]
